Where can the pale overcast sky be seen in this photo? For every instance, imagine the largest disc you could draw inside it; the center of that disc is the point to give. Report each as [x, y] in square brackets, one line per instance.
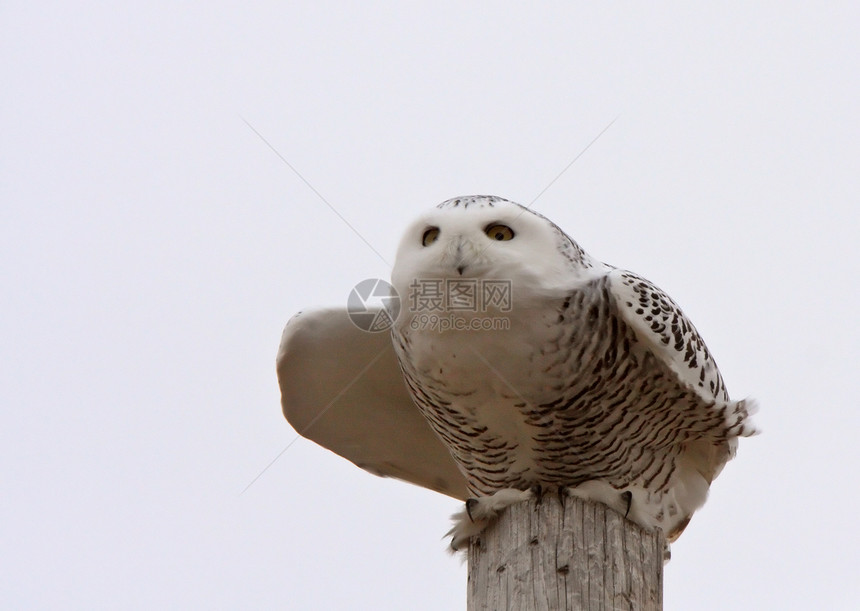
[152, 248]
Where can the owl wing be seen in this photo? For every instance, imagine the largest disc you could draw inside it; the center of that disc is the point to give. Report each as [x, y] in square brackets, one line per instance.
[660, 325]
[341, 387]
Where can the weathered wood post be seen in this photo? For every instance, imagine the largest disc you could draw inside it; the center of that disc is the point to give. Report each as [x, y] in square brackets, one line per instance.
[582, 555]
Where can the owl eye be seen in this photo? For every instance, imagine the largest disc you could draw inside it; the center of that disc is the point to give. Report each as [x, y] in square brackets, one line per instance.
[430, 236]
[501, 233]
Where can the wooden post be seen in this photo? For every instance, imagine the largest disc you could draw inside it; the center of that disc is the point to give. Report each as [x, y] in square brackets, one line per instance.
[581, 556]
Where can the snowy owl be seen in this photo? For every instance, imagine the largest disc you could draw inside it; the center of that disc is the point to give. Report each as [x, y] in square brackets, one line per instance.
[517, 364]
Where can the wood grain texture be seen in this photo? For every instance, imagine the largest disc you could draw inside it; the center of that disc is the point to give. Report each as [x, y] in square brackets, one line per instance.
[543, 555]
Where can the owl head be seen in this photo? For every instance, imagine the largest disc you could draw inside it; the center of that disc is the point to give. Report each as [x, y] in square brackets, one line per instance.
[490, 238]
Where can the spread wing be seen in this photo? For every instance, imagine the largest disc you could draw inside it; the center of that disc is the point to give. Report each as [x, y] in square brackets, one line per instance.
[341, 387]
[660, 324]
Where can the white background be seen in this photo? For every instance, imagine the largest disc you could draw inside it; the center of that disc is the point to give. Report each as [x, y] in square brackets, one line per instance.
[152, 248]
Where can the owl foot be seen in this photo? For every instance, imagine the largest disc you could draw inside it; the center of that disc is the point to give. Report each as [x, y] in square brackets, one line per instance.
[479, 512]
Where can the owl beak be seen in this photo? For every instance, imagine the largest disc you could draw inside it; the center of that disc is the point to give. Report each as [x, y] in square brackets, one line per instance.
[459, 252]
[458, 256]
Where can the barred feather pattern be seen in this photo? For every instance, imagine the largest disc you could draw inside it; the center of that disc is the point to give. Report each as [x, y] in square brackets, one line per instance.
[612, 412]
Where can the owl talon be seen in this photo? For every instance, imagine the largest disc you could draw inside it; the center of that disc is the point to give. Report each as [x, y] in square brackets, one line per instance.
[562, 492]
[627, 496]
[470, 505]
